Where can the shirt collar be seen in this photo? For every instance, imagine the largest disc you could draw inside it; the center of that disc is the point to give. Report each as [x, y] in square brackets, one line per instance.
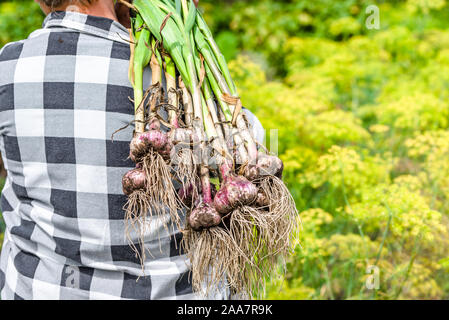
[97, 26]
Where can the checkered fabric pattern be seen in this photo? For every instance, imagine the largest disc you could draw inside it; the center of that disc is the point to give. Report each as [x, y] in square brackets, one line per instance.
[63, 92]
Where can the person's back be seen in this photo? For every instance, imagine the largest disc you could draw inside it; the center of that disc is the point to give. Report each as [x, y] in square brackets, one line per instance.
[63, 93]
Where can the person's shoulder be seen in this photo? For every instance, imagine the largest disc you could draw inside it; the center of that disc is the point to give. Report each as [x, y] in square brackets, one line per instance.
[9, 55]
[11, 51]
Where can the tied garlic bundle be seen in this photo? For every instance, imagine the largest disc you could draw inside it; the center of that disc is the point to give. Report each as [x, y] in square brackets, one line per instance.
[241, 218]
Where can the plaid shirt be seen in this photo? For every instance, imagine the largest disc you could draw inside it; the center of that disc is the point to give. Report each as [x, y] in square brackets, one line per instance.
[63, 92]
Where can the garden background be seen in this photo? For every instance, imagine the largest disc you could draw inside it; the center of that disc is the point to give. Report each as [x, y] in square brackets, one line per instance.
[363, 124]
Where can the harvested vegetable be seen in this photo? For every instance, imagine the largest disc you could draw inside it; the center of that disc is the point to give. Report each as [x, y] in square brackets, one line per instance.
[234, 236]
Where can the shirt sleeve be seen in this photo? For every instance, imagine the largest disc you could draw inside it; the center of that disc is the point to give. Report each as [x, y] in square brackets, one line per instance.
[9, 58]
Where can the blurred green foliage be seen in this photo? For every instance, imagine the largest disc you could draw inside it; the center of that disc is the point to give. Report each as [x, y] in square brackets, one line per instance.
[363, 128]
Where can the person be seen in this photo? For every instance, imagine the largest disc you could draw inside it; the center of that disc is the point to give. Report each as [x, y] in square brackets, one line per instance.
[63, 92]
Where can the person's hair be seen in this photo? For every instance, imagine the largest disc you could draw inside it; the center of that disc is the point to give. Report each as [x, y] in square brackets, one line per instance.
[58, 3]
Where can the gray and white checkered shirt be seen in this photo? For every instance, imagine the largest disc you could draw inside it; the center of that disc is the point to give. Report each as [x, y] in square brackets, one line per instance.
[63, 92]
